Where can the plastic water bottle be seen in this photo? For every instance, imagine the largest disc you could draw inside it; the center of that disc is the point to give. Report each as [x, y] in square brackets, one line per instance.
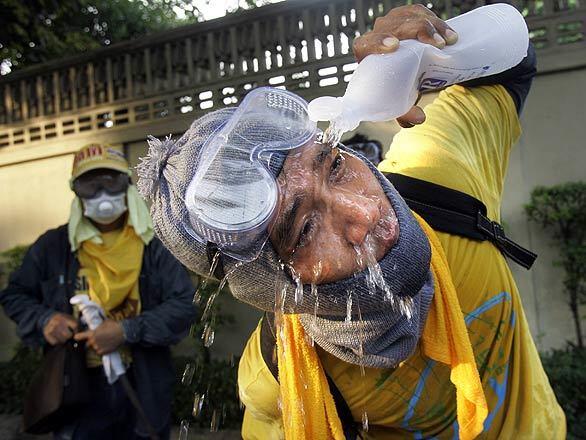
[491, 39]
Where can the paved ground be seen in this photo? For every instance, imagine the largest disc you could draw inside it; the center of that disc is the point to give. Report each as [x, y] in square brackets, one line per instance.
[10, 424]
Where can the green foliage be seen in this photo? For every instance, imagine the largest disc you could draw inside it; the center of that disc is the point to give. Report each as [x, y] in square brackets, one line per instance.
[567, 375]
[41, 30]
[10, 260]
[15, 377]
[562, 209]
[38, 31]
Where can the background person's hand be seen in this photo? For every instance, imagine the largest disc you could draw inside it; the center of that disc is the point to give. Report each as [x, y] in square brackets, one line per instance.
[59, 328]
[404, 23]
[104, 339]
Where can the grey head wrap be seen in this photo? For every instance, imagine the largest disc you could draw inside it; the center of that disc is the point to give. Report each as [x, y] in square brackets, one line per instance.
[383, 337]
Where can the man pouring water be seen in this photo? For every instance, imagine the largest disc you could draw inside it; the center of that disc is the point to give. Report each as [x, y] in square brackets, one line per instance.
[376, 324]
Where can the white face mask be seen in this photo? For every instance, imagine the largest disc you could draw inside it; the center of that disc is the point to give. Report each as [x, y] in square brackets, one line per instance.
[105, 208]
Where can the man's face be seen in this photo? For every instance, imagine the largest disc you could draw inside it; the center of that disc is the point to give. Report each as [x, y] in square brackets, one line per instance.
[329, 202]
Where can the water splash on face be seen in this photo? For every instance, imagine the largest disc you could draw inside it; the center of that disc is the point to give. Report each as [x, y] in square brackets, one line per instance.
[375, 274]
[298, 286]
[332, 135]
[366, 256]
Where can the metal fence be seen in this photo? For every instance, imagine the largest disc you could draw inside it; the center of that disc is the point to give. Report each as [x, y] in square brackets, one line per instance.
[303, 46]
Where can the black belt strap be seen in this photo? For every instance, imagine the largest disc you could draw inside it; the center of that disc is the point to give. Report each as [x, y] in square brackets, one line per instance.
[457, 213]
[267, 348]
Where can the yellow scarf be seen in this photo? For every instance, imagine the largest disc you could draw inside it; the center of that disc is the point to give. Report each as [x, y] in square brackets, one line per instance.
[308, 407]
[112, 271]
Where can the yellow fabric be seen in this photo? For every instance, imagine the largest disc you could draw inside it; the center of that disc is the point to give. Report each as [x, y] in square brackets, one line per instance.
[309, 411]
[261, 421]
[464, 144]
[445, 339]
[96, 156]
[112, 271]
[80, 229]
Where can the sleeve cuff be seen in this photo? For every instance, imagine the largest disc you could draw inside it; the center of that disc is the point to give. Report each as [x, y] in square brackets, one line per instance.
[131, 330]
[44, 319]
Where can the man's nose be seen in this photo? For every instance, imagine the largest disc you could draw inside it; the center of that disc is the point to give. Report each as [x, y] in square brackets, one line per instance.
[358, 215]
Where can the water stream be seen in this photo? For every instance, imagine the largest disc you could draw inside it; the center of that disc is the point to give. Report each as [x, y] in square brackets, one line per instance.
[332, 135]
[184, 430]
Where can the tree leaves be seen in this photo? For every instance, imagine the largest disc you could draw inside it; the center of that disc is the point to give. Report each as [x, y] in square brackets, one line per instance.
[562, 209]
[36, 31]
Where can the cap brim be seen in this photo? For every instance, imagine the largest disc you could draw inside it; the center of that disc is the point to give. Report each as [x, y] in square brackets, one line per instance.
[101, 165]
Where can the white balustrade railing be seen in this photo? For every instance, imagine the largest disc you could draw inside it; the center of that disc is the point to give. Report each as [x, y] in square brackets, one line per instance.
[302, 45]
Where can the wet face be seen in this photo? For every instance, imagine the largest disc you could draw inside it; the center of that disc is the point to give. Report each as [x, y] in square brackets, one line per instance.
[330, 202]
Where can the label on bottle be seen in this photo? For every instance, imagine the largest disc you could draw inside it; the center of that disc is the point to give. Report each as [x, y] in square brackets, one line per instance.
[437, 76]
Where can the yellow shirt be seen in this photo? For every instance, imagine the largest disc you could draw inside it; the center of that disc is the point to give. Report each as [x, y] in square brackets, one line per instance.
[464, 145]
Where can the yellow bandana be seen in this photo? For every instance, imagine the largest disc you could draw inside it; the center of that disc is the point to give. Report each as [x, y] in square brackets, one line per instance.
[308, 407]
[112, 271]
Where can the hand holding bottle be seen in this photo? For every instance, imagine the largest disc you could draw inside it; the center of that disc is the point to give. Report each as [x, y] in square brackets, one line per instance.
[405, 23]
[490, 40]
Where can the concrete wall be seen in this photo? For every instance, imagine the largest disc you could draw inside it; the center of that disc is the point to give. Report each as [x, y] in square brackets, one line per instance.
[35, 196]
[552, 150]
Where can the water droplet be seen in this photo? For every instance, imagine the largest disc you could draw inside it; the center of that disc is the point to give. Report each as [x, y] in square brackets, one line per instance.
[298, 286]
[197, 298]
[360, 339]
[216, 419]
[188, 374]
[193, 330]
[317, 272]
[365, 421]
[208, 335]
[332, 135]
[183, 430]
[348, 318]
[198, 401]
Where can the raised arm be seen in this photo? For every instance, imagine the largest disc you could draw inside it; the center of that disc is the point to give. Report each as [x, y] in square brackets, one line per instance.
[517, 80]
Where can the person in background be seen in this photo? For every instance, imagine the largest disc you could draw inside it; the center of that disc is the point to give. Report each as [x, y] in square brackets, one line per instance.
[108, 251]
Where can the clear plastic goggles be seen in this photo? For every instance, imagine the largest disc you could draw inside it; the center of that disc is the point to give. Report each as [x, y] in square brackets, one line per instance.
[233, 195]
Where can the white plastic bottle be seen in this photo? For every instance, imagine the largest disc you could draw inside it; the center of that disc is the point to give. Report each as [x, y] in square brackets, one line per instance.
[491, 39]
